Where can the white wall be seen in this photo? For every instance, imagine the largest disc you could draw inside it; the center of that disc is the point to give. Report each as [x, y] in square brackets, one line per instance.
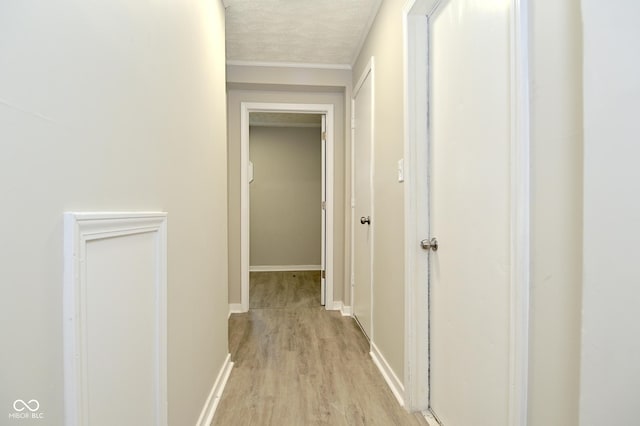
[288, 78]
[610, 372]
[285, 196]
[111, 105]
[556, 211]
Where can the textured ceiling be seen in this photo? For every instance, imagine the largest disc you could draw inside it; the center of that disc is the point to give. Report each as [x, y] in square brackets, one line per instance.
[303, 31]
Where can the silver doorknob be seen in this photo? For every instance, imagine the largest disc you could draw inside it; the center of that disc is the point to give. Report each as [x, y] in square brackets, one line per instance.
[366, 220]
[431, 244]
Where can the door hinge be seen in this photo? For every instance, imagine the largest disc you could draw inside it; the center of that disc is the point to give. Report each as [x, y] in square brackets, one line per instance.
[353, 123]
[324, 136]
[324, 205]
[323, 274]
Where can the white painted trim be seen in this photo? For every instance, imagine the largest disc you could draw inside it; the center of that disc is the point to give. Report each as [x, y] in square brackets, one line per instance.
[284, 124]
[210, 405]
[235, 308]
[387, 372]
[245, 242]
[416, 14]
[352, 245]
[372, 197]
[302, 65]
[328, 110]
[416, 190]
[323, 211]
[345, 310]
[369, 69]
[520, 215]
[79, 229]
[284, 268]
[365, 33]
[331, 306]
[431, 419]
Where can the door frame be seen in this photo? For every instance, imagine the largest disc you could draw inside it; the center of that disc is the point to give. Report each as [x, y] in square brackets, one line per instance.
[369, 69]
[327, 110]
[416, 15]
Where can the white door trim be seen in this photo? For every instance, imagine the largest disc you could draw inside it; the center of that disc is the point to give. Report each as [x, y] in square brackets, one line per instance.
[352, 237]
[80, 229]
[323, 232]
[246, 108]
[416, 370]
[416, 23]
[368, 69]
[520, 214]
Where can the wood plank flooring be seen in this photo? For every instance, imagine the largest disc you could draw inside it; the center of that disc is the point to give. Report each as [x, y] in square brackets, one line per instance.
[284, 290]
[297, 364]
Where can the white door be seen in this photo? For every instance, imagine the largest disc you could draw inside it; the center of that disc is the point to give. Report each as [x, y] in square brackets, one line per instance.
[470, 212]
[362, 304]
[323, 236]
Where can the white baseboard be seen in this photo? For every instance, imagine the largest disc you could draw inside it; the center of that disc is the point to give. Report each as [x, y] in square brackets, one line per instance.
[332, 306]
[389, 376]
[346, 311]
[209, 409]
[284, 268]
[235, 308]
[430, 418]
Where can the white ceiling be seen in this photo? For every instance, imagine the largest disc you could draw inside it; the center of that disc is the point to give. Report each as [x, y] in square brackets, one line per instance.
[302, 31]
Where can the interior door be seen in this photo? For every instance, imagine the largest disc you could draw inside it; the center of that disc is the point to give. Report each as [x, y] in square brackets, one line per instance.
[469, 79]
[362, 302]
[323, 236]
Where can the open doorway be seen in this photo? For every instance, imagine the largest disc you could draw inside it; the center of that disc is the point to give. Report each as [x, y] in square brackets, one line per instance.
[286, 198]
[286, 192]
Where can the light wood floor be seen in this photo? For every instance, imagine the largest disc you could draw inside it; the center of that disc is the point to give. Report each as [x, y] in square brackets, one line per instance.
[297, 364]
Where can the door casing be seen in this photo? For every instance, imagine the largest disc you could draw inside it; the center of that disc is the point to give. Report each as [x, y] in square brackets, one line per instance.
[416, 16]
[368, 72]
[328, 111]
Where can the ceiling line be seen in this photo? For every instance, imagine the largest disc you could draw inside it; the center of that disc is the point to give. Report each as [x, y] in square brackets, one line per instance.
[365, 33]
[235, 62]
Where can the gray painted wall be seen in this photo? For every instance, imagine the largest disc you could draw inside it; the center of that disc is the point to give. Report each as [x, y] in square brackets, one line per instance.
[285, 196]
[385, 42]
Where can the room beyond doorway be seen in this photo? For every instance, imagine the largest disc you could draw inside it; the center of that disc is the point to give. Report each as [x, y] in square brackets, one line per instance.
[283, 115]
[285, 193]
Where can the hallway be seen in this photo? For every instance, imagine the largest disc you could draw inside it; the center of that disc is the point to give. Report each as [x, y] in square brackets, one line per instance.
[298, 364]
[125, 264]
